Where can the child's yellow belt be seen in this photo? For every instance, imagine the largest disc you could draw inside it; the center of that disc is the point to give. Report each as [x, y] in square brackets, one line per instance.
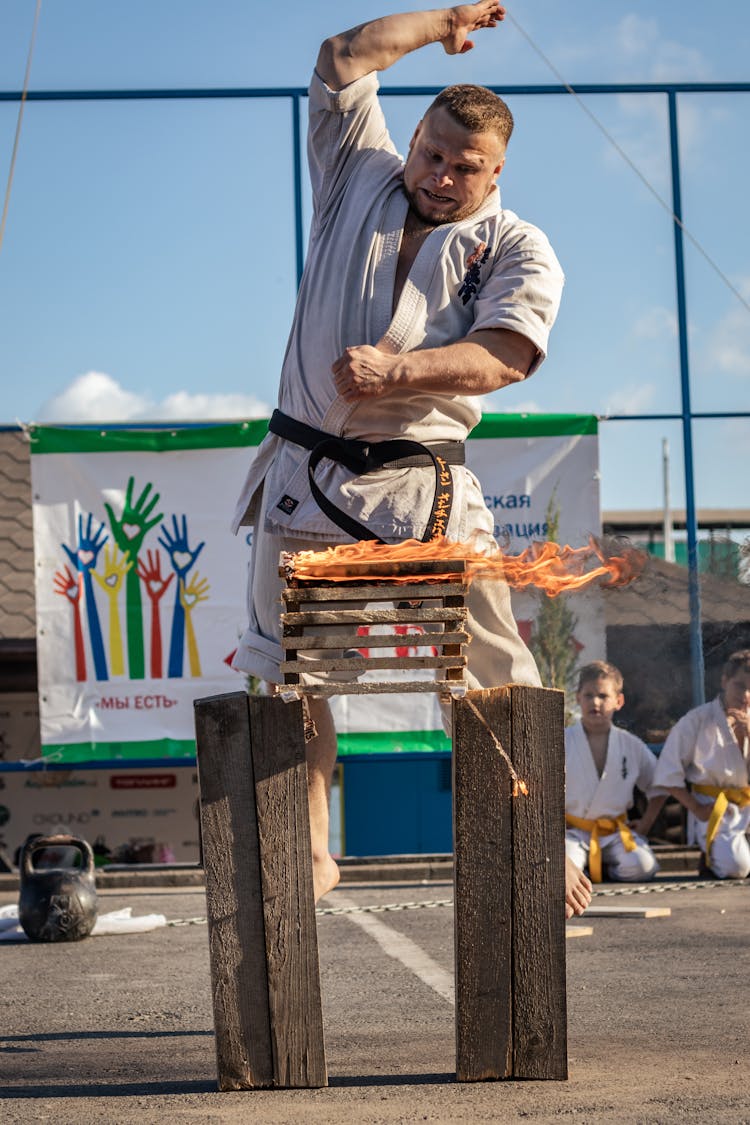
[603, 826]
[739, 795]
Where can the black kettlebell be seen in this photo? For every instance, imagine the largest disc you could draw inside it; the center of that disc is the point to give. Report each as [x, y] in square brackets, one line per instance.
[57, 903]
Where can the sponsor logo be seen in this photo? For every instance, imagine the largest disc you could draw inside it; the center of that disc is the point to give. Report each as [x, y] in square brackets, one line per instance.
[143, 781]
[68, 819]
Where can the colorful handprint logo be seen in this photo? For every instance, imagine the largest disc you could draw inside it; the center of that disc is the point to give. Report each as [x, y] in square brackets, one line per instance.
[121, 570]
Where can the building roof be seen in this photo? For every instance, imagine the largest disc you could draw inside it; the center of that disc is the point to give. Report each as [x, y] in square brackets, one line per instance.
[660, 597]
[652, 519]
[17, 613]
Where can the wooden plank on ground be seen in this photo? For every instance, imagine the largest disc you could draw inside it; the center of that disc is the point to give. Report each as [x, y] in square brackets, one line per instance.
[539, 997]
[578, 931]
[278, 753]
[483, 887]
[231, 860]
[628, 911]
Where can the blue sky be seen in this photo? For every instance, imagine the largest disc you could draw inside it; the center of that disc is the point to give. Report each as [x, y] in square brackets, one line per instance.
[147, 270]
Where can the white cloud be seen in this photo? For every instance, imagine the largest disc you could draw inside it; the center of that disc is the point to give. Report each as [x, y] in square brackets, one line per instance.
[655, 324]
[634, 49]
[634, 398]
[727, 347]
[634, 35]
[499, 403]
[97, 397]
[638, 41]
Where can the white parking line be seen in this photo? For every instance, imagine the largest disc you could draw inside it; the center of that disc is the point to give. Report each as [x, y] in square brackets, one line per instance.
[405, 950]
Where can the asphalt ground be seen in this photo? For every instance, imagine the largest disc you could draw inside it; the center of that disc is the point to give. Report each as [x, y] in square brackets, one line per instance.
[120, 1029]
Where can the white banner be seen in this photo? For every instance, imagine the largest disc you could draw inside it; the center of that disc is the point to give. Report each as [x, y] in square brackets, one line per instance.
[140, 587]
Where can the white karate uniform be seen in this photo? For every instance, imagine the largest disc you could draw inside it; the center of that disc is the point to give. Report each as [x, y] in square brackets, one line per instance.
[629, 763]
[701, 749]
[491, 270]
[345, 299]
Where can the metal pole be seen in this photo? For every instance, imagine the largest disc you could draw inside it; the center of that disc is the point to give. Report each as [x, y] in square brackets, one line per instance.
[694, 596]
[297, 148]
[668, 537]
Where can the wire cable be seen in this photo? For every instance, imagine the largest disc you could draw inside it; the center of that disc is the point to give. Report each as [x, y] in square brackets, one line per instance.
[19, 121]
[634, 167]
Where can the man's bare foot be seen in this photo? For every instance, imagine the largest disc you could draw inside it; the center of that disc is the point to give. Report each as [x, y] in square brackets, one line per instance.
[577, 889]
[326, 875]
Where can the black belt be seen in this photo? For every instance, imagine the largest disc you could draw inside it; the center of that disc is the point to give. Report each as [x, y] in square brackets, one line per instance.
[365, 457]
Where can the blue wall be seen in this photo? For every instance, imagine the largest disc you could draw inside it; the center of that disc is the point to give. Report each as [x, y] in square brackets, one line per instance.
[397, 804]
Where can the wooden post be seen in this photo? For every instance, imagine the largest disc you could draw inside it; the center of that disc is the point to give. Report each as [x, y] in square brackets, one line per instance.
[510, 885]
[261, 913]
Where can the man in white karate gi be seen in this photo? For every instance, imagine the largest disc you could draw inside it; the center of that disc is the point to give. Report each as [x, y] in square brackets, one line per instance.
[420, 294]
[603, 766]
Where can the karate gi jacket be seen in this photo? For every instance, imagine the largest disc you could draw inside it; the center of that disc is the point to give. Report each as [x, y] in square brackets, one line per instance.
[629, 763]
[491, 270]
[701, 749]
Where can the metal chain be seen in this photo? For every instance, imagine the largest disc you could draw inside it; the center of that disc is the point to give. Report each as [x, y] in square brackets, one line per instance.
[388, 907]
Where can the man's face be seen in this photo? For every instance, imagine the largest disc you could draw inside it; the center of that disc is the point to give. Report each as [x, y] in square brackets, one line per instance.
[450, 171]
[599, 700]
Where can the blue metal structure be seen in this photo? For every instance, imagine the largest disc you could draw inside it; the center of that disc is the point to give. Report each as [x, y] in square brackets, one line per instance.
[671, 90]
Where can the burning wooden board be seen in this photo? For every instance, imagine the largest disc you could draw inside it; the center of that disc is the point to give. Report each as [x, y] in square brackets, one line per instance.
[328, 621]
[548, 566]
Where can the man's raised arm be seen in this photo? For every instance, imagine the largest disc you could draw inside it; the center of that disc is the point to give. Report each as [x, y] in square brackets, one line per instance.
[380, 43]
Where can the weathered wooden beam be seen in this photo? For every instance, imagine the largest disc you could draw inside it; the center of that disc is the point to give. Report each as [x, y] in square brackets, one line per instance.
[231, 860]
[365, 663]
[537, 751]
[278, 751]
[261, 913]
[380, 640]
[377, 687]
[392, 592]
[482, 848]
[509, 885]
[376, 569]
[364, 616]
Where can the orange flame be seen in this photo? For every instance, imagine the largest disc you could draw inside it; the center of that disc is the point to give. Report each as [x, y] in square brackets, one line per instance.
[550, 567]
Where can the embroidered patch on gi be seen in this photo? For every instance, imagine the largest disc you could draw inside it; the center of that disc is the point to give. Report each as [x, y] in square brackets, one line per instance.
[287, 504]
[624, 766]
[475, 261]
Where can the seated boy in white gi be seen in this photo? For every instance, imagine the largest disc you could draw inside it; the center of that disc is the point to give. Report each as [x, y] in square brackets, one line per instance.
[603, 765]
[709, 750]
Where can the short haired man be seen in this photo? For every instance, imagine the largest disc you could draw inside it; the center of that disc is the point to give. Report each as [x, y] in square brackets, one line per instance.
[420, 293]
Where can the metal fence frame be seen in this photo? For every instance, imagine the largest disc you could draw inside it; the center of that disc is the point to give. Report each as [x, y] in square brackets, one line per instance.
[670, 90]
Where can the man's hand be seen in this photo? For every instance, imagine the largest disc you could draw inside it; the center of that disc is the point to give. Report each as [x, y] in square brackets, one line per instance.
[467, 18]
[739, 722]
[481, 363]
[380, 43]
[362, 372]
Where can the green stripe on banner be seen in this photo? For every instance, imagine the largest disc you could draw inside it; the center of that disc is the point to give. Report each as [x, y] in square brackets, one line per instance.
[395, 742]
[358, 742]
[65, 752]
[534, 425]
[166, 439]
[100, 439]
